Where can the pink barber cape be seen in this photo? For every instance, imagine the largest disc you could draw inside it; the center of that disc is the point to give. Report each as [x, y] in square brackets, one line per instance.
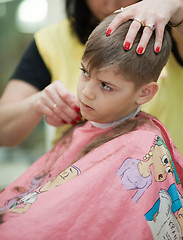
[128, 188]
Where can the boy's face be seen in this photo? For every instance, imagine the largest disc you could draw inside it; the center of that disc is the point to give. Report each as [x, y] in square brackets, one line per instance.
[105, 96]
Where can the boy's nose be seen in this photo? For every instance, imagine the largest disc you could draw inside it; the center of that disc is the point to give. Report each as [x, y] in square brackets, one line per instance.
[89, 91]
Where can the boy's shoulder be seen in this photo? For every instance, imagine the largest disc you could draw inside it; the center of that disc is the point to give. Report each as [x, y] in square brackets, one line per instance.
[149, 133]
[153, 125]
[154, 129]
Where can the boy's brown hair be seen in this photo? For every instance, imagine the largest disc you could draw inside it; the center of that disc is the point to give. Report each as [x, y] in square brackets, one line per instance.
[103, 52]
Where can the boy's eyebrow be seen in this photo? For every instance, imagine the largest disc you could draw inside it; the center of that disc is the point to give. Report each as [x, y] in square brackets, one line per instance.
[82, 65]
[106, 82]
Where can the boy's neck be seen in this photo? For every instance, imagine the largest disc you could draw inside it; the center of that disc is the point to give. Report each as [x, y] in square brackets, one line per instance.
[115, 123]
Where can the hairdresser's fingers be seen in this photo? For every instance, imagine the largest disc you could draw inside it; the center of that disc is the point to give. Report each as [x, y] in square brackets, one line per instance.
[146, 35]
[53, 102]
[152, 24]
[61, 102]
[67, 114]
[159, 38]
[57, 114]
[43, 103]
[131, 34]
[58, 93]
[118, 20]
[54, 121]
[47, 108]
[59, 107]
[67, 104]
[68, 98]
[44, 108]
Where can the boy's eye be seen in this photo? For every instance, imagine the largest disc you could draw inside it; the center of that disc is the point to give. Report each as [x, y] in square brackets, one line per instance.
[84, 72]
[106, 87]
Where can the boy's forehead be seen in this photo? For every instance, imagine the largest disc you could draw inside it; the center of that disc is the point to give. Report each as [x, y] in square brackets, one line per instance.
[112, 68]
[111, 74]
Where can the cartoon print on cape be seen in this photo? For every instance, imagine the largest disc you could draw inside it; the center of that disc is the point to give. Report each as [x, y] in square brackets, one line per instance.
[165, 218]
[35, 183]
[30, 197]
[162, 220]
[136, 174]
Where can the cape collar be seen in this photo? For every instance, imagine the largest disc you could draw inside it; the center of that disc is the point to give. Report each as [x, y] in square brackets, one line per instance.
[112, 124]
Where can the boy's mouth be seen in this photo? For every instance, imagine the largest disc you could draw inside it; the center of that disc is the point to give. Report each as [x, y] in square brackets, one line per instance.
[85, 106]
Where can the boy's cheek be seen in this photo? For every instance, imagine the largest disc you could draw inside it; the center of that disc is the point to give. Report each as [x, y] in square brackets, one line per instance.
[78, 89]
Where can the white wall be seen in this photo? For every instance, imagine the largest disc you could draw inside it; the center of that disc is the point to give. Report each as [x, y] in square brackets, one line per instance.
[55, 11]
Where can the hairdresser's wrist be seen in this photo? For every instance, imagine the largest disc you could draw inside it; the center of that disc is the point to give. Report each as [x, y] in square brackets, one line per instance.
[177, 19]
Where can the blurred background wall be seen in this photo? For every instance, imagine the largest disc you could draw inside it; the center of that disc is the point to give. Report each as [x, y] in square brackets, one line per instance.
[19, 19]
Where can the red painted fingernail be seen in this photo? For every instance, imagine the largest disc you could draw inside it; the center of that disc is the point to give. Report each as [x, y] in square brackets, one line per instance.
[157, 49]
[108, 33]
[73, 122]
[127, 46]
[78, 118]
[64, 122]
[76, 108]
[140, 50]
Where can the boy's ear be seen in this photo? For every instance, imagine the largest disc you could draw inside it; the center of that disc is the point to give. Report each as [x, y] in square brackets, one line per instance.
[146, 92]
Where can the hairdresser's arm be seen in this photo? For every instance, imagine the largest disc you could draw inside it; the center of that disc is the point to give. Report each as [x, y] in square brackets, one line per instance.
[157, 12]
[17, 115]
[22, 107]
[177, 32]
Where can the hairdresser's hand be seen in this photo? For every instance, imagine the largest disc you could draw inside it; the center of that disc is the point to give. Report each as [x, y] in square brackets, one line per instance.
[59, 106]
[155, 13]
